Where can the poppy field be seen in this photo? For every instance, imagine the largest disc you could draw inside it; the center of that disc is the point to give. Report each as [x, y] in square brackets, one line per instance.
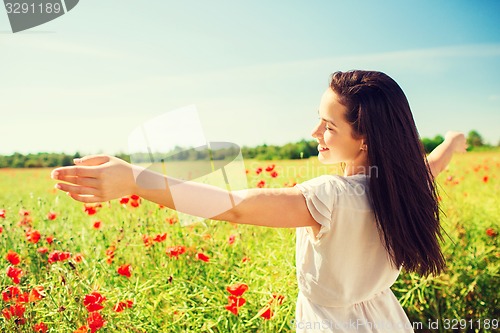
[129, 266]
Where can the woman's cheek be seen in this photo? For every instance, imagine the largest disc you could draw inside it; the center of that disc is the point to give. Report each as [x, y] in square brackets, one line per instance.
[329, 138]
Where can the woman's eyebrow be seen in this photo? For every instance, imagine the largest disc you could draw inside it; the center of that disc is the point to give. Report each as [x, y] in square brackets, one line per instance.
[327, 120]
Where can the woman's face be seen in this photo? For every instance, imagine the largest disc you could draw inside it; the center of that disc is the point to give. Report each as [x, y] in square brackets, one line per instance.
[334, 133]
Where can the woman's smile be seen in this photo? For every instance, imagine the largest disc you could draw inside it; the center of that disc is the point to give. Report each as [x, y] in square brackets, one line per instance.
[322, 149]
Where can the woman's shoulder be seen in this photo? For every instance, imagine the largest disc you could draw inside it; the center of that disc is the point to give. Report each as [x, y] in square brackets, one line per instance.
[340, 183]
[332, 190]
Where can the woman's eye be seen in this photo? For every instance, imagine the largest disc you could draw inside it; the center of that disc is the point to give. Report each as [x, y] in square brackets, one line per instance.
[327, 128]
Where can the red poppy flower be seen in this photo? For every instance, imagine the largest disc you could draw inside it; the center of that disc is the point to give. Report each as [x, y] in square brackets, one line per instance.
[36, 294]
[235, 303]
[270, 168]
[485, 179]
[40, 328]
[51, 216]
[2, 213]
[96, 224]
[274, 174]
[237, 289]
[14, 273]
[16, 310]
[125, 270]
[160, 237]
[176, 251]
[42, 250]
[11, 293]
[89, 209]
[64, 256]
[82, 329]
[78, 258]
[245, 259]
[1, 229]
[124, 200]
[13, 258]
[94, 297]
[25, 217]
[58, 256]
[95, 321]
[172, 220]
[93, 301]
[231, 239]
[6, 313]
[202, 257]
[278, 299]
[122, 305]
[110, 254]
[94, 307]
[49, 239]
[258, 170]
[135, 200]
[23, 298]
[261, 184]
[24, 212]
[233, 309]
[491, 232]
[33, 236]
[266, 312]
[147, 240]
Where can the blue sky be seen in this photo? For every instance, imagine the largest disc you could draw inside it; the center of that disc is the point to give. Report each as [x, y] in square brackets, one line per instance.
[255, 70]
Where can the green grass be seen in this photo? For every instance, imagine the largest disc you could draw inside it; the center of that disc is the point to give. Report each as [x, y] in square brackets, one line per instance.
[189, 295]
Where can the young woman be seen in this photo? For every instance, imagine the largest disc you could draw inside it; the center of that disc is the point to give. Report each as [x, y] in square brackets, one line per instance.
[354, 232]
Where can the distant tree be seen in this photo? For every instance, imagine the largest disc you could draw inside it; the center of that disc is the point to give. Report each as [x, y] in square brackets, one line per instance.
[474, 139]
[431, 144]
[66, 160]
[52, 161]
[33, 163]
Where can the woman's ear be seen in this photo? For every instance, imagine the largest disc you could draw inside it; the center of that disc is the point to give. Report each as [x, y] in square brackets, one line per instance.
[364, 146]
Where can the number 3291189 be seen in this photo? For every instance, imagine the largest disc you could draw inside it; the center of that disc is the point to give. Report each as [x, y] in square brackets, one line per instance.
[31, 8]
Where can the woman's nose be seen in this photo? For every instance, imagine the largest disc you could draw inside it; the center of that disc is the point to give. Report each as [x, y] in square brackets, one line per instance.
[316, 132]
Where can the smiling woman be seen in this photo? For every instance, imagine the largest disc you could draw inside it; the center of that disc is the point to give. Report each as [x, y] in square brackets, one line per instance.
[336, 138]
[360, 239]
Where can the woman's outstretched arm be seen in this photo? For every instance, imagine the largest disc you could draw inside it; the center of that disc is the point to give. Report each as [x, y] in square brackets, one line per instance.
[440, 157]
[104, 178]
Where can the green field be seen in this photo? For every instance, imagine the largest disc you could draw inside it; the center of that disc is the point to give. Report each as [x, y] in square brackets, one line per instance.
[169, 293]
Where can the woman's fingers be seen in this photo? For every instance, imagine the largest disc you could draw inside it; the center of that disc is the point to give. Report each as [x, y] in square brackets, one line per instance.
[79, 190]
[85, 198]
[75, 171]
[82, 181]
[92, 160]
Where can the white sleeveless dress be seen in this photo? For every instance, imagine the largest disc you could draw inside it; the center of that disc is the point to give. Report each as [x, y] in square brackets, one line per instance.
[344, 273]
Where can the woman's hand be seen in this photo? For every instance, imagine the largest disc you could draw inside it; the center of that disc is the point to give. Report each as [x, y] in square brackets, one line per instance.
[457, 141]
[104, 178]
[96, 179]
[438, 159]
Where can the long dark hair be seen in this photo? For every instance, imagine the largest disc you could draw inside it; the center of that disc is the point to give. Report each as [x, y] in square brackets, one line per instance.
[403, 192]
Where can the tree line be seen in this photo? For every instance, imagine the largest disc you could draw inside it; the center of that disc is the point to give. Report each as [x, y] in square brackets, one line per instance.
[297, 150]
